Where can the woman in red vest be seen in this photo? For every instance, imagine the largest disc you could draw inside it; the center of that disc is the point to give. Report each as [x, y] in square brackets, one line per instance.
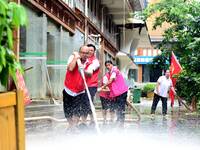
[118, 90]
[107, 102]
[74, 87]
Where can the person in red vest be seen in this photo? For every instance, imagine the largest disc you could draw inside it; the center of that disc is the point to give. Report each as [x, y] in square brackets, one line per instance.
[92, 73]
[74, 87]
[118, 90]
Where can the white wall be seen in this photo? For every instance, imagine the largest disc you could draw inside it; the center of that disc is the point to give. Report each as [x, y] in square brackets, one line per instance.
[132, 39]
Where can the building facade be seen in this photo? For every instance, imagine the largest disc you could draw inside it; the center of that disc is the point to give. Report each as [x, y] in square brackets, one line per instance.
[56, 28]
[147, 49]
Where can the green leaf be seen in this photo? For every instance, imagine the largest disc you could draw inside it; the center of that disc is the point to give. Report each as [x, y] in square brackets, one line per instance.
[3, 8]
[9, 37]
[1, 32]
[15, 14]
[12, 15]
[12, 72]
[18, 14]
[2, 56]
[4, 76]
[23, 16]
[1, 68]
[10, 56]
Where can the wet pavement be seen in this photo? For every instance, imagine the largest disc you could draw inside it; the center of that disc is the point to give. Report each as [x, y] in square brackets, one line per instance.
[46, 128]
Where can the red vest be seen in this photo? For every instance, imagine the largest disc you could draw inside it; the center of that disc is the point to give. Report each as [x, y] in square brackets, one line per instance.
[118, 86]
[74, 81]
[103, 93]
[92, 81]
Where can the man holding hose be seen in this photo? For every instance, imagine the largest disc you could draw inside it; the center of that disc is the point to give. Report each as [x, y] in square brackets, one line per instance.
[74, 87]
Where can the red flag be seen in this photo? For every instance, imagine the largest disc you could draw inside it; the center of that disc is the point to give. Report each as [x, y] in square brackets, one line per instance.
[175, 68]
[21, 85]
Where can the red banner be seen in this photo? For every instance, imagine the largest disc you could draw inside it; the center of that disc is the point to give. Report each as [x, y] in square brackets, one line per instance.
[175, 68]
[21, 85]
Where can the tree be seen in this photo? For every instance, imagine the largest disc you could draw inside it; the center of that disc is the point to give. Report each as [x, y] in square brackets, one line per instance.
[12, 15]
[182, 37]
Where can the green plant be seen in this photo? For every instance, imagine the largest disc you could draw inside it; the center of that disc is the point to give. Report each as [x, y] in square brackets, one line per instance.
[182, 37]
[12, 15]
[161, 61]
[149, 87]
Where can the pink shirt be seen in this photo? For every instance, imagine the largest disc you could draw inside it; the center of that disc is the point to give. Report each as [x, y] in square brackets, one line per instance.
[118, 86]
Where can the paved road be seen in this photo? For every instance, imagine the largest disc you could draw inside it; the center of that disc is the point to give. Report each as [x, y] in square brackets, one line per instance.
[46, 129]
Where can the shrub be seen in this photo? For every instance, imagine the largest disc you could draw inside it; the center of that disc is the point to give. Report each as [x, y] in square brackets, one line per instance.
[149, 87]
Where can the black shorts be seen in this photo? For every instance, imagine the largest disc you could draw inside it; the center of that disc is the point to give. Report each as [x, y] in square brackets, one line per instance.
[85, 103]
[105, 103]
[93, 91]
[71, 105]
[108, 104]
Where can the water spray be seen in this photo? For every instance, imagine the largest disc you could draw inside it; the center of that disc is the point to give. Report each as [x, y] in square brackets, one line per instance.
[81, 69]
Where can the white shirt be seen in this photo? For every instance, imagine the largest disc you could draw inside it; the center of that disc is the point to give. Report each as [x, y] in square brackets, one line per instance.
[72, 57]
[164, 86]
[105, 80]
[94, 65]
[113, 75]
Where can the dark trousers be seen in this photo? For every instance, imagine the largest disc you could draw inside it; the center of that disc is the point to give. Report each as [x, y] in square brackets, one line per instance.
[85, 105]
[156, 99]
[120, 107]
[71, 105]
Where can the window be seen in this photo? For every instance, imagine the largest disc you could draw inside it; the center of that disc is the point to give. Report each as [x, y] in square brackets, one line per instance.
[66, 1]
[70, 3]
[22, 39]
[133, 74]
[88, 4]
[95, 7]
[91, 5]
[109, 25]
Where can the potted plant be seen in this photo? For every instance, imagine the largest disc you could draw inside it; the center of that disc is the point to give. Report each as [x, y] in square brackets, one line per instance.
[12, 15]
[148, 89]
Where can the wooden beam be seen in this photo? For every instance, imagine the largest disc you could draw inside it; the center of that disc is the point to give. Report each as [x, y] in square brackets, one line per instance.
[20, 127]
[7, 99]
[140, 73]
[53, 16]
[16, 37]
[7, 128]
[102, 58]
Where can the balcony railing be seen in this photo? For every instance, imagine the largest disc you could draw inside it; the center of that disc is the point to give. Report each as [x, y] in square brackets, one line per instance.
[79, 4]
[57, 10]
[70, 3]
[111, 37]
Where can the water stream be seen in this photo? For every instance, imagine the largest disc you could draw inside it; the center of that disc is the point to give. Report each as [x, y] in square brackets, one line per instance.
[179, 130]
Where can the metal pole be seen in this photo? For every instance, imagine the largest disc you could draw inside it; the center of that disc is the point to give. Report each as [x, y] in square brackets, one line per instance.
[124, 24]
[52, 100]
